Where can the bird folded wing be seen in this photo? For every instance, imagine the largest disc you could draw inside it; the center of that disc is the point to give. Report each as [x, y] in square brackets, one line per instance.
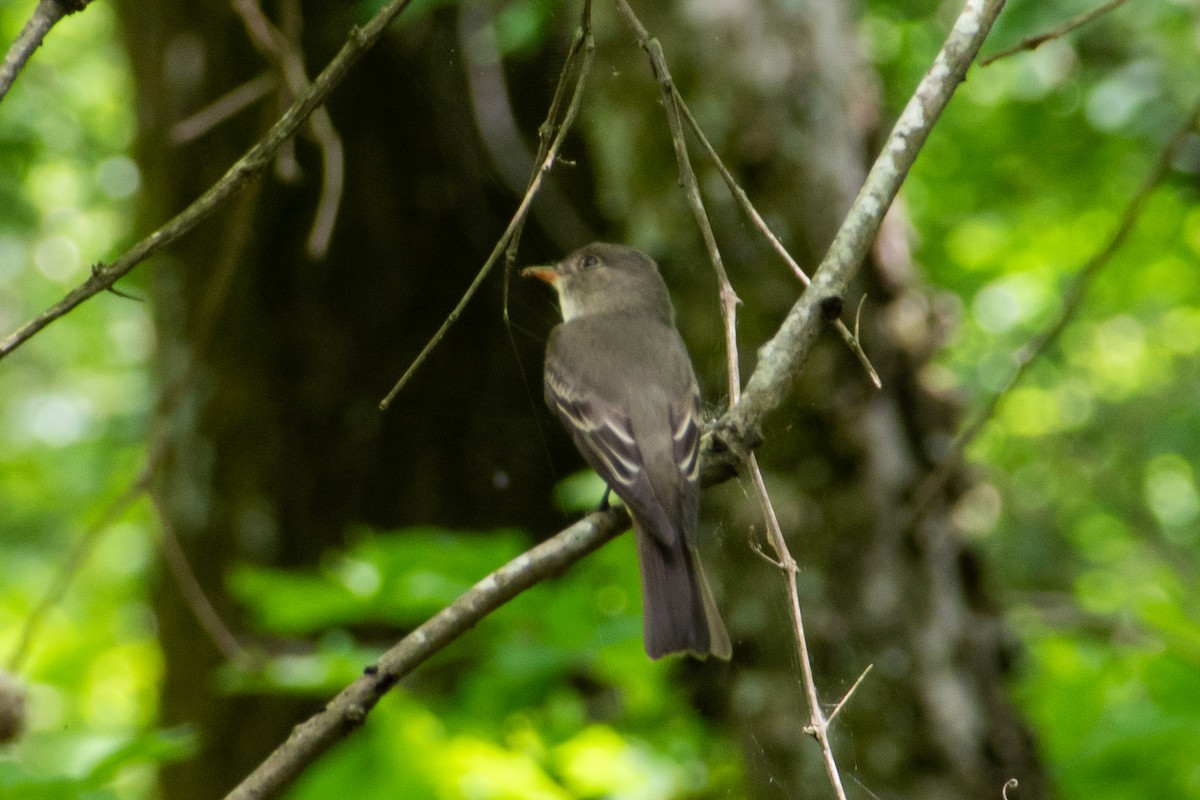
[603, 432]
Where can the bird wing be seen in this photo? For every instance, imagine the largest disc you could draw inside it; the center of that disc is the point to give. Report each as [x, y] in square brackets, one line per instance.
[603, 430]
[684, 418]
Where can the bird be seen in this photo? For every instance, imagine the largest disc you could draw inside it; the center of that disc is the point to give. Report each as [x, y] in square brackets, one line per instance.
[618, 376]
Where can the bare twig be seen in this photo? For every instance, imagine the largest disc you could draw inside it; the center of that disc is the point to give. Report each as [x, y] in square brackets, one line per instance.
[743, 200]
[736, 431]
[518, 218]
[247, 167]
[190, 588]
[728, 297]
[547, 132]
[1034, 42]
[818, 725]
[224, 107]
[846, 697]
[673, 103]
[285, 52]
[45, 16]
[1072, 302]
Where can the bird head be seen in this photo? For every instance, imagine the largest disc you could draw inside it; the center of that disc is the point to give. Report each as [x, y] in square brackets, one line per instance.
[602, 278]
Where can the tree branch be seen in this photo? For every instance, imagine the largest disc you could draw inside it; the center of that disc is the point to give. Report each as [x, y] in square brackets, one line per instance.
[1034, 42]
[350, 708]
[780, 359]
[247, 168]
[285, 51]
[44, 17]
[583, 44]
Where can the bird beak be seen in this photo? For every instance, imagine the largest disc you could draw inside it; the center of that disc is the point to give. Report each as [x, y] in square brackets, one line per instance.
[547, 274]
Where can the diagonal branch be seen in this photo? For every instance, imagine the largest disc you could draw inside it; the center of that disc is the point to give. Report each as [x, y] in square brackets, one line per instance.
[583, 43]
[779, 361]
[1034, 42]
[45, 16]
[246, 169]
[350, 708]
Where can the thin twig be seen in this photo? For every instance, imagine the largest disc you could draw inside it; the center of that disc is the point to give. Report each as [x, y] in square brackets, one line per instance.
[45, 16]
[224, 107]
[743, 200]
[728, 297]
[728, 301]
[547, 132]
[846, 698]
[1034, 42]
[1040, 343]
[189, 587]
[247, 167]
[285, 52]
[673, 103]
[818, 724]
[514, 224]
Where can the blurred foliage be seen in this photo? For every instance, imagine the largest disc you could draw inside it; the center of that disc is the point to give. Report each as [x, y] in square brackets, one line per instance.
[73, 405]
[1087, 509]
[531, 704]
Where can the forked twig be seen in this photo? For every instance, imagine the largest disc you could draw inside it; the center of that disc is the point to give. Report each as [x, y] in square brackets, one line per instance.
[743, 200]
[777, 365]
[846, 697]
[673, 103]
[818, 724]
[285, 52]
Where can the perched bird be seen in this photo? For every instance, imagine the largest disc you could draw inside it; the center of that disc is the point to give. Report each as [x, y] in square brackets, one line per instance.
[619, 377]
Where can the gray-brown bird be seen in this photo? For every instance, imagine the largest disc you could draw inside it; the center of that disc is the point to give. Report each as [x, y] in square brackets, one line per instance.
[619, 377]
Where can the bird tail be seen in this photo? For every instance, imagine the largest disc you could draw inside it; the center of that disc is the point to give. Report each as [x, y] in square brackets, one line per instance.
[679, 612]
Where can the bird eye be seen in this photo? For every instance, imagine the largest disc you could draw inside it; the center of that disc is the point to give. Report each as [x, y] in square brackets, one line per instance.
[589, 262]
